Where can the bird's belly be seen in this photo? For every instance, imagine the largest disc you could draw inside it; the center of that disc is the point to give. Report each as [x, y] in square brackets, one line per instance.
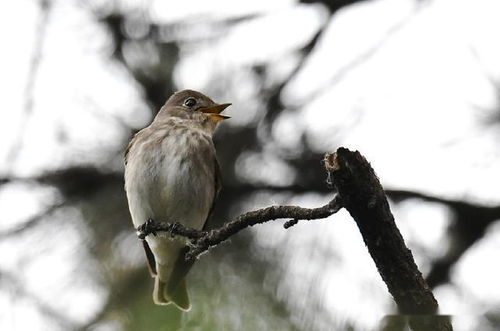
[171, 189]
[184, 193]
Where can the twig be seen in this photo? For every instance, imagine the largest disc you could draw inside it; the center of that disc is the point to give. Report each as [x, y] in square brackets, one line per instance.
[21, 292]
[470, 224]
[203, 240]
[33, 71]
[32, 221]
[362, 57]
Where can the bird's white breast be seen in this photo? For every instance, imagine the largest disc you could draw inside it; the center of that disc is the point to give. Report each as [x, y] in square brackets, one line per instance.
[170, 176]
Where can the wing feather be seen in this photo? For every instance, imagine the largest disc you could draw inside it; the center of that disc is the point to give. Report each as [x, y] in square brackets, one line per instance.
[218, 186]
[129, 146]
[151, 259]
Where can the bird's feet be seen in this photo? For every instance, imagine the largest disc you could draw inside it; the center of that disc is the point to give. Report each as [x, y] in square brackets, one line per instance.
[147, 228]
[175, 226]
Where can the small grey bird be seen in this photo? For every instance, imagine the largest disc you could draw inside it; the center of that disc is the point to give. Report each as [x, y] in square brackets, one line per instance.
[172, 175]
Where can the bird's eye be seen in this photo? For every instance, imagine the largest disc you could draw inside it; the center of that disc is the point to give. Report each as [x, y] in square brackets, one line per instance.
[190, 102]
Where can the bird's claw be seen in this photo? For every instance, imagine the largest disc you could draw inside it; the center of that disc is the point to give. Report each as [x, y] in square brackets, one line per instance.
[146, 228]
[173, 229]
[191, 243]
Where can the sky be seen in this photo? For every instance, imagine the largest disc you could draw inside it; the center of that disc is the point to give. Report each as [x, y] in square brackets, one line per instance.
[386, 79]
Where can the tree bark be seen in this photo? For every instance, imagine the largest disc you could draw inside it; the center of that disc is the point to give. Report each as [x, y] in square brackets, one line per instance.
[364, 198]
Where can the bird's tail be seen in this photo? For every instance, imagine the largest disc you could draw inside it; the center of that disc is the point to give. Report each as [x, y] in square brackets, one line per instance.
[165, 295]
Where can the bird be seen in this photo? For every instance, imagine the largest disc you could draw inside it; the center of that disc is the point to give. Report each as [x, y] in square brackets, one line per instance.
[172, 174]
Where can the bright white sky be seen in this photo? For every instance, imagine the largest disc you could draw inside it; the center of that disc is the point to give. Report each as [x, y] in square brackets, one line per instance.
[395, 107]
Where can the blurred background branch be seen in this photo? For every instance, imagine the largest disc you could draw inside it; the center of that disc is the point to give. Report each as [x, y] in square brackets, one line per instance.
[34, 65]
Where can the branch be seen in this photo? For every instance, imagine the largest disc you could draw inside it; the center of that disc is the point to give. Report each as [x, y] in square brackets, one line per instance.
[468, 226]
[17, 290]
[31, 222]
[363, 56]
[360, 192]
[33, 72]
[201, 241]
[364, 198]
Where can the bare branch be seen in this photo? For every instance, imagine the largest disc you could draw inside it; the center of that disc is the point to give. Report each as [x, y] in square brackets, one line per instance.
[201, 241]
[34, 68]
[15, 285]
[469, 225]
[32, 221]
[364, 198]
[363, 57]
[360, 192]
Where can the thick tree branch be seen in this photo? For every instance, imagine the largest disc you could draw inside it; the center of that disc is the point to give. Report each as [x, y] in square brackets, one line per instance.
[364, 198]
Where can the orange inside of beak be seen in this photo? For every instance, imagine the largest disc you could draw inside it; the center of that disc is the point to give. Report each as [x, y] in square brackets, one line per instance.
[215, 111]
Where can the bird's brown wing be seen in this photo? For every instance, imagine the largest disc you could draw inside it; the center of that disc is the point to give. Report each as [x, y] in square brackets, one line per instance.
[127, 150]
[151, 259]
[149, 254]
[218, 186]
[182, 266]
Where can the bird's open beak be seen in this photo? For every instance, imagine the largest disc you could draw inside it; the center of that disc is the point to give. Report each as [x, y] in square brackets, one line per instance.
[214, 112]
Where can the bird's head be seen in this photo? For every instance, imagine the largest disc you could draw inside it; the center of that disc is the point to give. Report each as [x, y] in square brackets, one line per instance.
[193, 105]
